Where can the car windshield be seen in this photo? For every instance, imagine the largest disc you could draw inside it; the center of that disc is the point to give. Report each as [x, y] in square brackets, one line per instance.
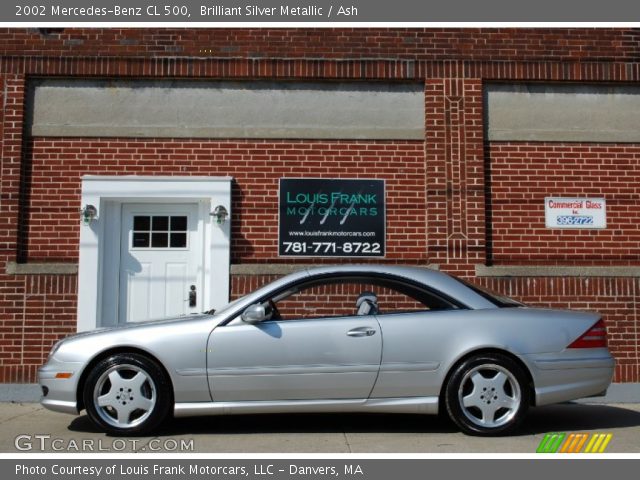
[497, 299]
[229, 305]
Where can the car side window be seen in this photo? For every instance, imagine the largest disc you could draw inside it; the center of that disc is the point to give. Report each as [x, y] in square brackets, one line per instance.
[320, 300]
[344, 298]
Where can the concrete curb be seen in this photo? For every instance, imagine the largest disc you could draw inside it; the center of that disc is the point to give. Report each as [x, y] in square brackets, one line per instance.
[20, 392]
[617, 393]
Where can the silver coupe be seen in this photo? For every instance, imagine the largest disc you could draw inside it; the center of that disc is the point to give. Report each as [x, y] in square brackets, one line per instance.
[350, 338]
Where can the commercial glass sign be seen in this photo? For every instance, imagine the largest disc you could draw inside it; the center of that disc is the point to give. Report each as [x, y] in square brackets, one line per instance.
[331, 218]
[561, 212]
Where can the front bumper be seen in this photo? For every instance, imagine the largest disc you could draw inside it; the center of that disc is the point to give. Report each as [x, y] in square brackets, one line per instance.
[59, 394]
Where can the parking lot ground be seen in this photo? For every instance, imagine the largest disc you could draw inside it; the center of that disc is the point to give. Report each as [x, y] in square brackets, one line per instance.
[41, 430]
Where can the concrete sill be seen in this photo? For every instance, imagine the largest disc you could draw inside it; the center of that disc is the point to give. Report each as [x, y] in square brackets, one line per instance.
[283, 268]
[555, 271]
[35, 268]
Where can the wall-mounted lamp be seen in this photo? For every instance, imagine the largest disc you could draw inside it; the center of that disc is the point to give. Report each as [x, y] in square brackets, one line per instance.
[88, 213]
[220, 213]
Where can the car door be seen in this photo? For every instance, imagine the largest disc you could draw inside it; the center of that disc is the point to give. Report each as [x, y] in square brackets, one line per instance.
[413, 353]
[295, 359]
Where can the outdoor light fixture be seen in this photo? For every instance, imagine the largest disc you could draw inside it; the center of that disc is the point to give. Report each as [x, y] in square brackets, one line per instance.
[88, 213]
[220, 213]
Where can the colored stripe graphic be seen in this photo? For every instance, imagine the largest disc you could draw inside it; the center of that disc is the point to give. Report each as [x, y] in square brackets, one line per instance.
[598, 443]
[573, 443]
[550, 443]
[580, 443]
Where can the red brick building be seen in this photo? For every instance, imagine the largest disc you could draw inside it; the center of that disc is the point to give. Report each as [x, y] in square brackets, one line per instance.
[471, 129]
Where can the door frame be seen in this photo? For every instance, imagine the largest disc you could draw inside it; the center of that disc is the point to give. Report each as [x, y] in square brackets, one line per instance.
[96, 269]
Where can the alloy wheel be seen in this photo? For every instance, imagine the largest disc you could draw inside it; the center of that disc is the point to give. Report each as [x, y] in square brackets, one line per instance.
[124, 396]
[489, 395]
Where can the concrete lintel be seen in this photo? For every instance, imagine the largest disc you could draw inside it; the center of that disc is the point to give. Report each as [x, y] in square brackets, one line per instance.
[267, 268]
[292, 132]
[35, 268]
[562, 112]
[555, 271]
[226, 109]
[284, 268]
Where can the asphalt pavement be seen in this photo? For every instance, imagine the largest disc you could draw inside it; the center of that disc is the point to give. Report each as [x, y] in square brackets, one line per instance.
[28, 427]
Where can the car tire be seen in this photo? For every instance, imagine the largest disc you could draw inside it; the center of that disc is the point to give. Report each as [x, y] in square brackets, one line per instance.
[487, 395]
[127, 394]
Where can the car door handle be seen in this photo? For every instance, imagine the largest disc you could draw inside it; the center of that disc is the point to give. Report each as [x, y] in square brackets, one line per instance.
[361, 332]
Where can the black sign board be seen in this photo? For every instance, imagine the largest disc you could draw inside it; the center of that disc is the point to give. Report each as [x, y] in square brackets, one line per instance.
[331, 218]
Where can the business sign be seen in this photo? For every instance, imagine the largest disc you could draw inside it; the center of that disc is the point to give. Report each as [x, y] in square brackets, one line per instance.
[331, 218]
[575, 212]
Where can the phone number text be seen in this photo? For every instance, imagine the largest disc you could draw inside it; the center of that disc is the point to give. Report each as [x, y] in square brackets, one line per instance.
[328, 248]
[574, 220]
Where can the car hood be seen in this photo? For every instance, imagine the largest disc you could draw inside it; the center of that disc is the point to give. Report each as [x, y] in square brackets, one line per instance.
[140, 325]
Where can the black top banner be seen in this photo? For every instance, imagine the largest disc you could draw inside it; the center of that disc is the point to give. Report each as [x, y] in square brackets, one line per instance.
[316, 11]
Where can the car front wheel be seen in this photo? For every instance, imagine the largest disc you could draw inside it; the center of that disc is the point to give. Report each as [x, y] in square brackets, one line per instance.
[487, 395]
[127, 394]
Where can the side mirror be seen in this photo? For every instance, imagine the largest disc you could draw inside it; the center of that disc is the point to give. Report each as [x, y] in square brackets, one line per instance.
[256, 313]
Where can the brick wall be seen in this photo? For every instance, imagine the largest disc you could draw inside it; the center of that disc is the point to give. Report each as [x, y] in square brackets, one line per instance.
[455, 173]
[522, 174]
[37, 311]
[452, 200]
[51, 218]
[522, 44]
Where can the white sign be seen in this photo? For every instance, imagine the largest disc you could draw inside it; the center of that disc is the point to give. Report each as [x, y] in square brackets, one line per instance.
[562, 212]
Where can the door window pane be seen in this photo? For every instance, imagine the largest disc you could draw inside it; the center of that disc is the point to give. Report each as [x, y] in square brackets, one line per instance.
[179, 224]
[159, 239]
[159, 231]
[140, 239]
[141, 222]
[160, 223]
[178, 240]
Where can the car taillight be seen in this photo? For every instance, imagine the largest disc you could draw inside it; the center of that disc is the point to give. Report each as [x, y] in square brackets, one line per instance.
[595, 337]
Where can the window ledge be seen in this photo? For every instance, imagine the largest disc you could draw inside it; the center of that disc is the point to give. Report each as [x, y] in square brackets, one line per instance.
[556, 271]
[283, 268]
[35, 268]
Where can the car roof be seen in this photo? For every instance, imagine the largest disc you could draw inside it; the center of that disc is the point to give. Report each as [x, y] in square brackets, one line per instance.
[435, 279]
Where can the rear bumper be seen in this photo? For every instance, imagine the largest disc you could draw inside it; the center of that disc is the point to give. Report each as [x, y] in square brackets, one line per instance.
[570, 375]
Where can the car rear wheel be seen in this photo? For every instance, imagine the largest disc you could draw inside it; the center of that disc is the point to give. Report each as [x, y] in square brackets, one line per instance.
[127, 394]
[487, 395]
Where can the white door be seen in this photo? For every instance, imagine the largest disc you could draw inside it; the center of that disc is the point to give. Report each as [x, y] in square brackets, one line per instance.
[160, 261]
